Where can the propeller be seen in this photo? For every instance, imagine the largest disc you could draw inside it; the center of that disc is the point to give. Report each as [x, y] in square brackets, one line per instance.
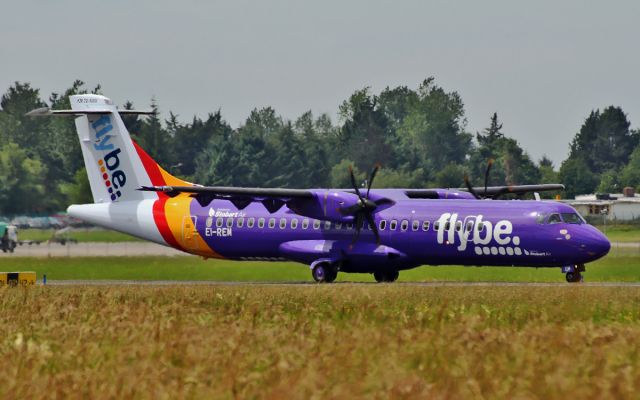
[364, 209]
[486, 182]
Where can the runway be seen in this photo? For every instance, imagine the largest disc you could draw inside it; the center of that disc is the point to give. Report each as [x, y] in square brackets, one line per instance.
[313, 284]
[131, 249]
[94, 249]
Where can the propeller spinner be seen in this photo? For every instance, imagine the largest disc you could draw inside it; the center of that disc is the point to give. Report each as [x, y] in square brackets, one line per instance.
[365, 208]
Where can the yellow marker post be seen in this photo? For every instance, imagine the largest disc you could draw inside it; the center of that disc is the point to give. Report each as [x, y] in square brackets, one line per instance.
[25, 278]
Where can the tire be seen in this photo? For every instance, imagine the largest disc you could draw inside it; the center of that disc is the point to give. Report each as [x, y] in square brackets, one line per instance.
[331, 276]
[394, 276]
[574, 277]
[386, 276]
[319, 273]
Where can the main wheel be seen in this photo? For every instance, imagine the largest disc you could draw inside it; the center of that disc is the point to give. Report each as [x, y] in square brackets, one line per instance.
[319, 273]
[380, 276]
[386, 276]
[393, 276]
[324, 272]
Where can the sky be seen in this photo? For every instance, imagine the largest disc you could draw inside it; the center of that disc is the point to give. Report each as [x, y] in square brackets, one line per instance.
[541, 65]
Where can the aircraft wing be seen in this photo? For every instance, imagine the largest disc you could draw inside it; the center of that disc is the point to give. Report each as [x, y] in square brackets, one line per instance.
[494, 191]
[272, 198]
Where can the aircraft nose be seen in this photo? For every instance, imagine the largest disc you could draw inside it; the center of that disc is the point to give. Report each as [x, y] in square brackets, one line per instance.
[595, 243]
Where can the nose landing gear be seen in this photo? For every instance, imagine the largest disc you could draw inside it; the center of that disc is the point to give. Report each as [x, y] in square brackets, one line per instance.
[574, 273]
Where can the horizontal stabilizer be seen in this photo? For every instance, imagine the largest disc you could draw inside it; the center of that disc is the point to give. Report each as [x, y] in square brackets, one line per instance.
[47, 112]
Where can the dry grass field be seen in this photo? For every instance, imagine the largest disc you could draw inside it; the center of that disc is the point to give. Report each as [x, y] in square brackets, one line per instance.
[324, 341]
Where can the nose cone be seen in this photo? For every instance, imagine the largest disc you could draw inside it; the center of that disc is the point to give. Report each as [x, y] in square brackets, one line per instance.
[594, 243]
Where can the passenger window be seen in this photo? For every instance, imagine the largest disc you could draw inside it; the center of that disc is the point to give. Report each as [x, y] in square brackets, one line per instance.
[272, 223]
[350, 226]
[338, 225]
[393, 225]
[469, 226]
[219, 222]
[554, 219]
[240, 222]
[383, 224]
[305, 223]
[327, 225]
[229, 222]
[458, 226]
[294, 223]
[404, 225]
[447, 225]
[425, 226]
[415, 225]
[480, 226]
[261, 223]
[540, 217]
[436, 225]
[251, 222]
[283, 223]
[316, 224]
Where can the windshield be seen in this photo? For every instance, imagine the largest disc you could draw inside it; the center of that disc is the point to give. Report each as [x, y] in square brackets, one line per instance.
[571, 218]
[554, 219]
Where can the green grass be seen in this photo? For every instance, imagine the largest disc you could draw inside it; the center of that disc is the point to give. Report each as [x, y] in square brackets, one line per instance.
[620, 266]
[621, 233]
[81, 235]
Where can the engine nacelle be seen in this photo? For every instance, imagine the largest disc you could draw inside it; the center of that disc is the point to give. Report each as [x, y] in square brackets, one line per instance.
[327, 204]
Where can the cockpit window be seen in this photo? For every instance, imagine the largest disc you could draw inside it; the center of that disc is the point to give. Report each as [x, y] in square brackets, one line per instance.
[571, 218]
[554, 219]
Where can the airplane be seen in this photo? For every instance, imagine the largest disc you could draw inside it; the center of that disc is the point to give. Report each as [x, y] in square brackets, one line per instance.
[376, 231]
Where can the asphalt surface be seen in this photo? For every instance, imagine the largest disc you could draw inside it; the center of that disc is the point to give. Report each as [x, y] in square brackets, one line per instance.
[93, 249]
[308, 283]
[128, 249]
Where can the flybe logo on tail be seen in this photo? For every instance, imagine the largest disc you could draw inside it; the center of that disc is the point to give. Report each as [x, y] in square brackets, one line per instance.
[114, 178]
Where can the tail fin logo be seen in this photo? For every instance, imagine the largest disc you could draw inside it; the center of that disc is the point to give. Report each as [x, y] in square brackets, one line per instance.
[114, 178]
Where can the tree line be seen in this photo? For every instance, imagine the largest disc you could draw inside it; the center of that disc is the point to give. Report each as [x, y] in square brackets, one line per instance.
[418, 135]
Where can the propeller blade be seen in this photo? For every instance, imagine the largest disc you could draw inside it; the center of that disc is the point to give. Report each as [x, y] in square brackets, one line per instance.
[358, 225]
[374, 228]
[353, 182]
[486, 175]
[373, 175]
[470, 188]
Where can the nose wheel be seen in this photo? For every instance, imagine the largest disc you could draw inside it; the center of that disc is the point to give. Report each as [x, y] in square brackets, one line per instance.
[573, 277]
[574, 273]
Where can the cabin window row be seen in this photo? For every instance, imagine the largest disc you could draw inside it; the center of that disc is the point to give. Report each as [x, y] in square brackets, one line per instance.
[294, 223]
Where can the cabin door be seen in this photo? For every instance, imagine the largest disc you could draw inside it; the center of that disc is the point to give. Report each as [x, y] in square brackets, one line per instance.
[189, 232]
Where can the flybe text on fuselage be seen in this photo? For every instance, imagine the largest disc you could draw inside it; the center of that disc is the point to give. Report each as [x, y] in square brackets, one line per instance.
[455, 230]
[114, 178]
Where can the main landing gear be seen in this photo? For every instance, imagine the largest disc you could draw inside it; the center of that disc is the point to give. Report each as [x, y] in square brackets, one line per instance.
[573, 273]
[324, 272]
[386, 276]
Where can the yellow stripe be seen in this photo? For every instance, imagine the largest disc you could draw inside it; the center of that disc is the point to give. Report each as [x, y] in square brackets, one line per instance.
[178, 213]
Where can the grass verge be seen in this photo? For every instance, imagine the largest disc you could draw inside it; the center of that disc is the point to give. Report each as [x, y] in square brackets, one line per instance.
[380, 341]
[81, 235]
[621, 266]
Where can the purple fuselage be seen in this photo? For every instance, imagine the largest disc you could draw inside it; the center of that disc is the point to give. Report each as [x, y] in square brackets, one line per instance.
[413, 233]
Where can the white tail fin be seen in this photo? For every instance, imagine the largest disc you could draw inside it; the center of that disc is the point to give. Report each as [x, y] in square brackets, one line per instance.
[114, 168]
